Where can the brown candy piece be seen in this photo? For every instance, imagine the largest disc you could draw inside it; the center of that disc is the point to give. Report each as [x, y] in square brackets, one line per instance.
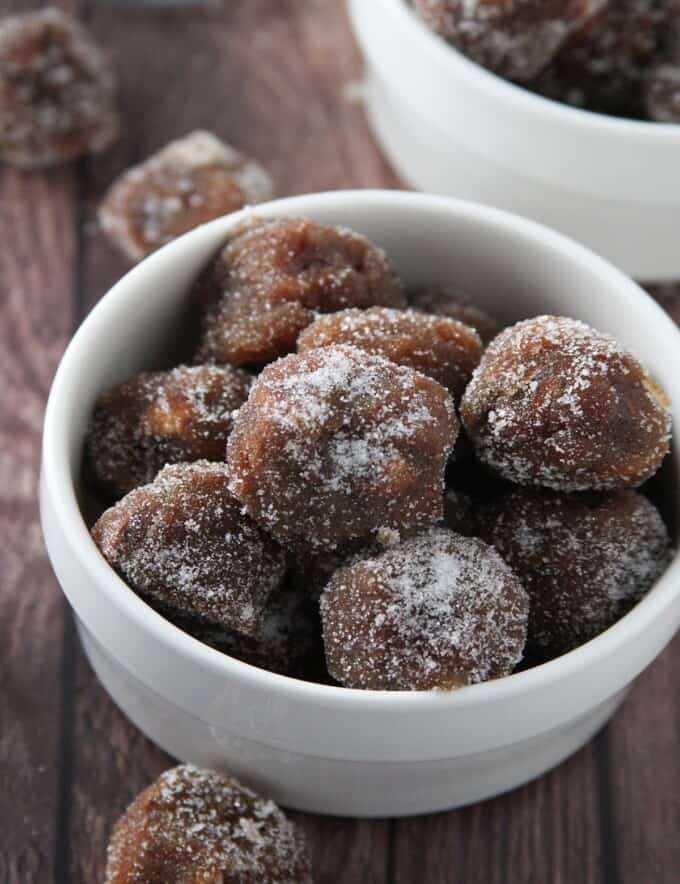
[437, 611]
[336, 445]
[270, 281]
[56, 91]
[513, 39]
[662, 93]
[182, 542]
[441, 348]
[161, 417]
[556, 403]
[194, 826]
[585, 560]
[288, 642]
[602, 67]
[670, 29]
[190, 181]
[456, 304]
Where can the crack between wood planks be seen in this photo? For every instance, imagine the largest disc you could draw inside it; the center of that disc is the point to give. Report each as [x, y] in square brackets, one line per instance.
[62, 874]
[62, 853]
[611, 872]
[390, 860]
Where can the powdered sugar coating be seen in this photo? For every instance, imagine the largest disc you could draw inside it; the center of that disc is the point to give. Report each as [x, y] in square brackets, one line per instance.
[584, 559]
[190, 181]
[336, 445]
[603, 65]
[161, 417]
[457, 304]
[555, 403]
[271, 280]
[196, 826]
[514, 38]
[56, 91]
[437, 611]
[182, 542]
[441, 348]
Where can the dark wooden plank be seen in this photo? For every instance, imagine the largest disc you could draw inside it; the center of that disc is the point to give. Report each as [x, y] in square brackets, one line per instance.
[546, 831]
[269, 77]
[37, 262]
[644, 769]
[346, 851]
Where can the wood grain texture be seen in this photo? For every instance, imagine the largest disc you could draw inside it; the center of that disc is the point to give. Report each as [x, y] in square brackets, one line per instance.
[270, 77]
[644, 769]
[37, 267]
[547, 831]
[345, 851]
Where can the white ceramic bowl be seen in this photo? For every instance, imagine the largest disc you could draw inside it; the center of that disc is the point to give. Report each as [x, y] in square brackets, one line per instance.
[451, 127]
[328, 749]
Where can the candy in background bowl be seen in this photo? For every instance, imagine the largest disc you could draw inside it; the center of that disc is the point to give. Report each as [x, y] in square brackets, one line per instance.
[451, 127]
[329, 749]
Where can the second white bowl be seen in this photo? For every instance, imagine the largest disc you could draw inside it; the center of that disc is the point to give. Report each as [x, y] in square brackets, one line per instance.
[451, 127]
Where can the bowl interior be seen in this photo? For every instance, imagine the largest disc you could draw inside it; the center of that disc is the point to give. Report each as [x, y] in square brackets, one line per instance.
[512, 267]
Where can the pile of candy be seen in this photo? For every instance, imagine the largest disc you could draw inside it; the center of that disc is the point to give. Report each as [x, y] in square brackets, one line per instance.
[348, 488]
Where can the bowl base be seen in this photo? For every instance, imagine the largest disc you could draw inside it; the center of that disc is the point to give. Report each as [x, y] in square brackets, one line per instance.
[340, 788]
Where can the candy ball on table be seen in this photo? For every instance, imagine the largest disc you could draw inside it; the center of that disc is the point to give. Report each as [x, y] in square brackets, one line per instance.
[161, 417]
[336, 445]
[436, 611]
[190, 181]
[555, 403]
[271, 280]
[437, 346]
[514, 40]
[196, 826]
[57, 93]
[183, 543]
[584, 559]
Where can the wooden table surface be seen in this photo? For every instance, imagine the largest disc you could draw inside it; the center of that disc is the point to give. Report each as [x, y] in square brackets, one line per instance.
[273, 77]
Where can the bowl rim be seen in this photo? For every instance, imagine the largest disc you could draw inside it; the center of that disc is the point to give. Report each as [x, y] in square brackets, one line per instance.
[505, 91]
[58, 483]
